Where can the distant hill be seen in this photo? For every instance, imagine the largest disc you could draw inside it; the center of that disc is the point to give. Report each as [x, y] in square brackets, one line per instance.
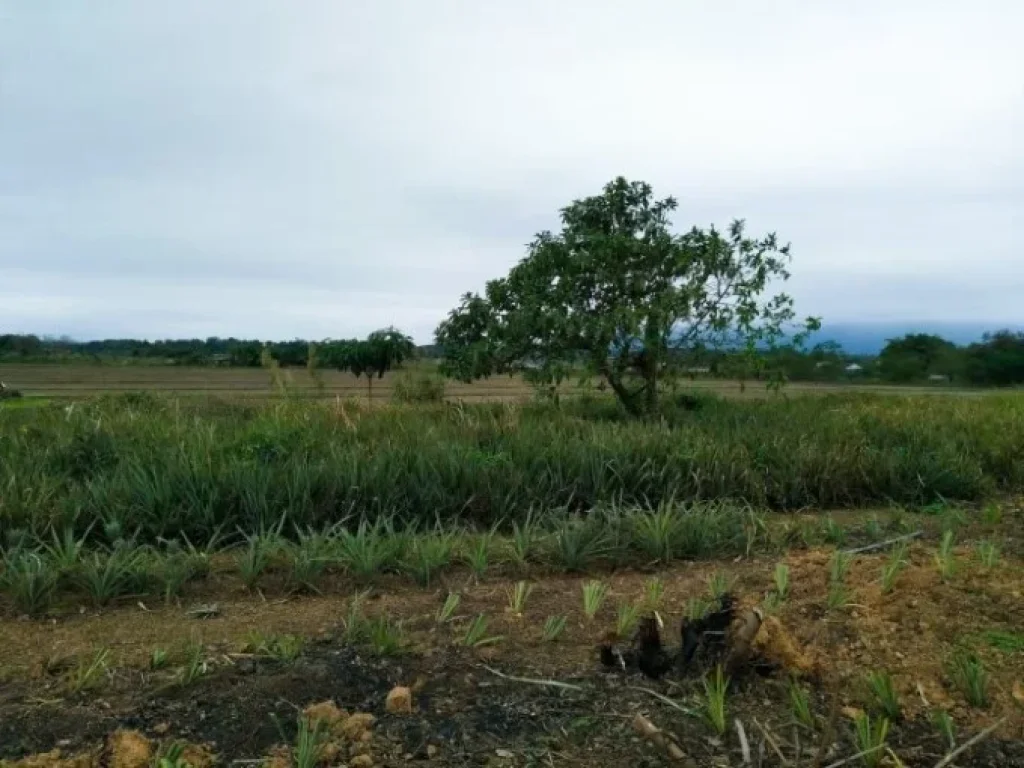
[870, 338]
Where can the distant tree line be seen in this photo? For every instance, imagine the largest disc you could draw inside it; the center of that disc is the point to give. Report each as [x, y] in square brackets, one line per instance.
[995, 361]
[344, 354]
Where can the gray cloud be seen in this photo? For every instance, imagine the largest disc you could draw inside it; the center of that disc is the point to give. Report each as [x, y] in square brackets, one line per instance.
[320, 169]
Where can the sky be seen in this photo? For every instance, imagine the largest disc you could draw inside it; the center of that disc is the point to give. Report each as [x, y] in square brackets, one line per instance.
[275, 169]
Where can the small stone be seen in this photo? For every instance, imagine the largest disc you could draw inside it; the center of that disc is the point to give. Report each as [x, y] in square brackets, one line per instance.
[431, 750]
[504, 754]
[399, 701]
[161, 728]
[361, 761]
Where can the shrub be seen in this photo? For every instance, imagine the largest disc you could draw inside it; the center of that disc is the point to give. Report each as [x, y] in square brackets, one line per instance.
[418, 388]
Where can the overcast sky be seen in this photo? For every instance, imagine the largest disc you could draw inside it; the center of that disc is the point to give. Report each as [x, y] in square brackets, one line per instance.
[319, 169]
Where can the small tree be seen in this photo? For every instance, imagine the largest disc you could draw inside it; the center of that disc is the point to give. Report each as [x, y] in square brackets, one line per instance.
[380, 352]
[617, 291]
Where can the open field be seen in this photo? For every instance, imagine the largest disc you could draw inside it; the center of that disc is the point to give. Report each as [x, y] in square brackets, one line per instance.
[76, 381]
[204, 570]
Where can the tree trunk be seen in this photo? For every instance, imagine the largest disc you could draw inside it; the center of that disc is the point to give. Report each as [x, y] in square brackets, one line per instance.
[622, 393]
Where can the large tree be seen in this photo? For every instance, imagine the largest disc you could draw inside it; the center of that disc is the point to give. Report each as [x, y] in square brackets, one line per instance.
[916, 356]
[619, 291]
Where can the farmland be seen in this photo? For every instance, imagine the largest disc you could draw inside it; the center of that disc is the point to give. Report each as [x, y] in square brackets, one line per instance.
[79, 380]
[208, 566]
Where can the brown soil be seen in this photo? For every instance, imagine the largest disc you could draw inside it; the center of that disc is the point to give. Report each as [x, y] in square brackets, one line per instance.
[463, 713]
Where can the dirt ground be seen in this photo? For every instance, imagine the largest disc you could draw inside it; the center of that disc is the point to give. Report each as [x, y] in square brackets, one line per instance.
[569, 710]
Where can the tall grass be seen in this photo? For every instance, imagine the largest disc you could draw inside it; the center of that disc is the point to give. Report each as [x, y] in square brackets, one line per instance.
[149, 468]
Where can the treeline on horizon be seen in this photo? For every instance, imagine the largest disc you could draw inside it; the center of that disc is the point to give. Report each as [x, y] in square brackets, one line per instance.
[995, 361]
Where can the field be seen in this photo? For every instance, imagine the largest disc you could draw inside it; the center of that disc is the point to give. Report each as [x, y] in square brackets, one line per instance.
[201, 579]
[76, 381]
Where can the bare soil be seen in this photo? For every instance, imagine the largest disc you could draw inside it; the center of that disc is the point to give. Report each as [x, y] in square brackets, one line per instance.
[245, 706]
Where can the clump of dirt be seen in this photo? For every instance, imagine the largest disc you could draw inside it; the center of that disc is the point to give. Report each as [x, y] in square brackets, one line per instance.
[776, 645]
[128, 749]
[55, 759]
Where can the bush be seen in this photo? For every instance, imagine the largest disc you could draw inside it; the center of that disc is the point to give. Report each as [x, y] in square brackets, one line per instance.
[418, 388]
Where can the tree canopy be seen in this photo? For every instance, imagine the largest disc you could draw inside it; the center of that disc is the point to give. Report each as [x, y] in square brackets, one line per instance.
[619, 293]
[916, 356]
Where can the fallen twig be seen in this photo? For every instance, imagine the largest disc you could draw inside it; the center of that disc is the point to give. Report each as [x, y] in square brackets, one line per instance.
[665, 699]
[744, 744]
[858, 756]
[771, 742]
[661, 740]
[531, 681]
[883, 544]
[969, 743]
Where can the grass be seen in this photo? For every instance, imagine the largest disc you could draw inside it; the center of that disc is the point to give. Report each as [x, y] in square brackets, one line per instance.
[30, 581]
[448, 609]
[968, 674]
[554, 626]
[800, 705]
[1007, 642]
[943, 723]
[476, 634]
[310, 741]
[517, 597]
[282, 648]
[172, 468]
[945, 559]
[88, 674]
[883, 695]
[654, 593]
[781, 578]
[988, 553]
[893, 567]
[626, 617]
[838, 567]
[870, 736]
[594, 593]
[715, 690]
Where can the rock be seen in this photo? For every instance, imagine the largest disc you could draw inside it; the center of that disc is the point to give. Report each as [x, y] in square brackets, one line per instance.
[161, 729]
[399, 701]
[853, 713]
[1018, 692]
[361, 761]
[504, 754]
[431, 750]
[129, 749]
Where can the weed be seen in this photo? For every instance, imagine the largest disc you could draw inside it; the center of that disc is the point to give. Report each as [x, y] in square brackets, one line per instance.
[309, 743]
[715, 687]
[771, 604]
[873, 528]
[446, 611]
[87, 675]
[883, 694]
[781, 578]
[838, 596]
[697, 608]
[307, 566]
[476, 634]
[943, 723]
[578, 544]
[110, 575]
[525, 536]
[554, 626]
[252, 562]
[952, 519]
[171, 755]
[992, 514]
[478, 556]
[833, 532]
[839, 566]
[718, 585]
[158, 659]
[429, 554]
[355, 623]
[627, 616]
[195, 665]
[870, 738]
[517, 597]
[370, 550]
[945, 560]
[386, 636]
[1007, 642]
[31, 582]
[893, 567]
[800, 705]
[66, 550]
[657, 533]
[969, 675]
[283, 648]
[988, 553]
[594, 593]
[654, 592]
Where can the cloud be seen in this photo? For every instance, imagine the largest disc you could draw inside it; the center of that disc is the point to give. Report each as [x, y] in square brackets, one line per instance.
[267, 169]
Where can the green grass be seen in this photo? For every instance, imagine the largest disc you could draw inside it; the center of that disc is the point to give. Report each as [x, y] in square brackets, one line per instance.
[164, 467]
